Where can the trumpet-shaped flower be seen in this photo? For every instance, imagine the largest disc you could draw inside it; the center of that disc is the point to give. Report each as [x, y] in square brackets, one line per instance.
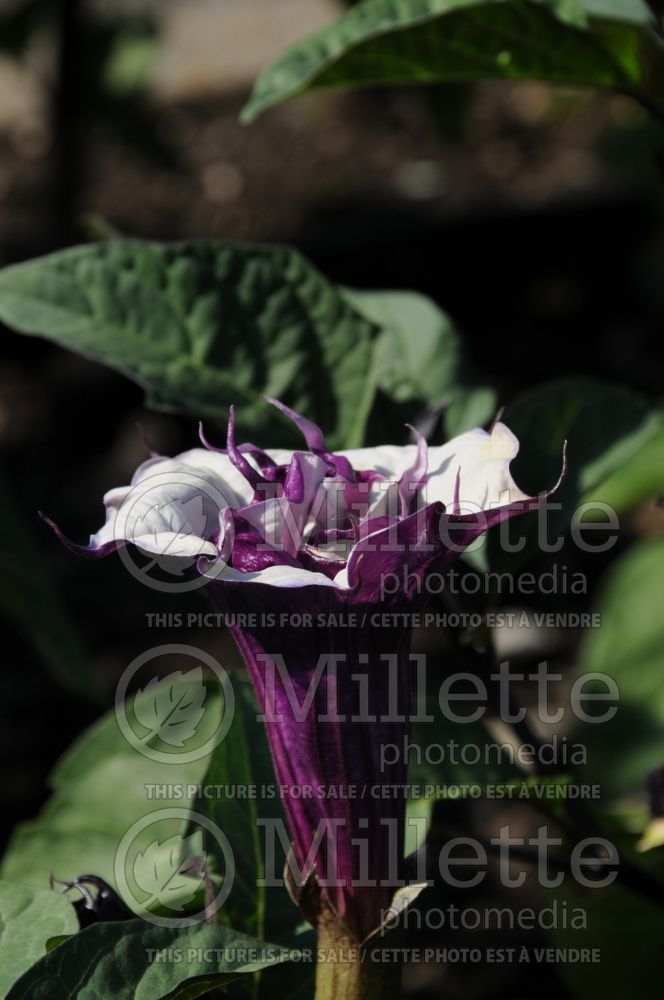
[305, 541]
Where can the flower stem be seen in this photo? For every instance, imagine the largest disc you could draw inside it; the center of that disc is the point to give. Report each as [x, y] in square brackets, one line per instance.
[347, 970]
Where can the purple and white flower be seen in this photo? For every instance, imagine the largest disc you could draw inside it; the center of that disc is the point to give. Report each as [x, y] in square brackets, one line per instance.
[317, 533]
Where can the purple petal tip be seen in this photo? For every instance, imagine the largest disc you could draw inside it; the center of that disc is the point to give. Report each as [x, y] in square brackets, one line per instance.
[79, 550]
[203, 439]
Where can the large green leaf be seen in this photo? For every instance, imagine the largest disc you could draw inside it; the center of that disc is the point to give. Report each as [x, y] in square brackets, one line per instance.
[100, 788]
[243, 763]
[29, 916]
[202, 325]
[605, 425]
[116, 961]
[640, 478]
[426, 41]
[230, 772]
[411, 366]
[629, 647]
[206, 324]
[420, 359]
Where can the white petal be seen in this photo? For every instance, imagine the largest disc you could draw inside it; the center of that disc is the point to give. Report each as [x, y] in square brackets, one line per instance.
[390, 460]
[214, 466]
[279, 455]
[482, 460]
[169, 543]
[173, 505]
[269, 518]
[274, 576]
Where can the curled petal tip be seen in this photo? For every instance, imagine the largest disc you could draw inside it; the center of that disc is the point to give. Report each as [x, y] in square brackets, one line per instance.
[498, 417]
[230, 430]
[310, 431]
[54, 527]
[60, 535]
[417, 474]
[422, 447]
[231, 419]
[203, 439]
[239, 460]
[563, 471]
[80, 550]
[152, 452]
[419, 436]
[456, 506]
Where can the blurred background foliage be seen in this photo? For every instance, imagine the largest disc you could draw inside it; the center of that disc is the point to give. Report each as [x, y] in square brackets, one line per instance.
[522, 226]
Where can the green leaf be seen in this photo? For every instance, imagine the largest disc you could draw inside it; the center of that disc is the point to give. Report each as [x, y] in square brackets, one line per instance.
[628, 647]
[28, 918]
[420, 359]
[100, 788]
[158, 871]
[26, 591]
[243, 761]
[205, 324]
[202, 325]
[53, 942]
[408, 366]
[231, 768]
[171, 710]
[605, 425]
[116, 961]
[640, 478]
[429, 41]
[471, 407]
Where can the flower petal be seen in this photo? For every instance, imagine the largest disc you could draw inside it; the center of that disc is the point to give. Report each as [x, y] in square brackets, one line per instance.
[481, 462]
[172, 506]
[390, 460]
[274, 576]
